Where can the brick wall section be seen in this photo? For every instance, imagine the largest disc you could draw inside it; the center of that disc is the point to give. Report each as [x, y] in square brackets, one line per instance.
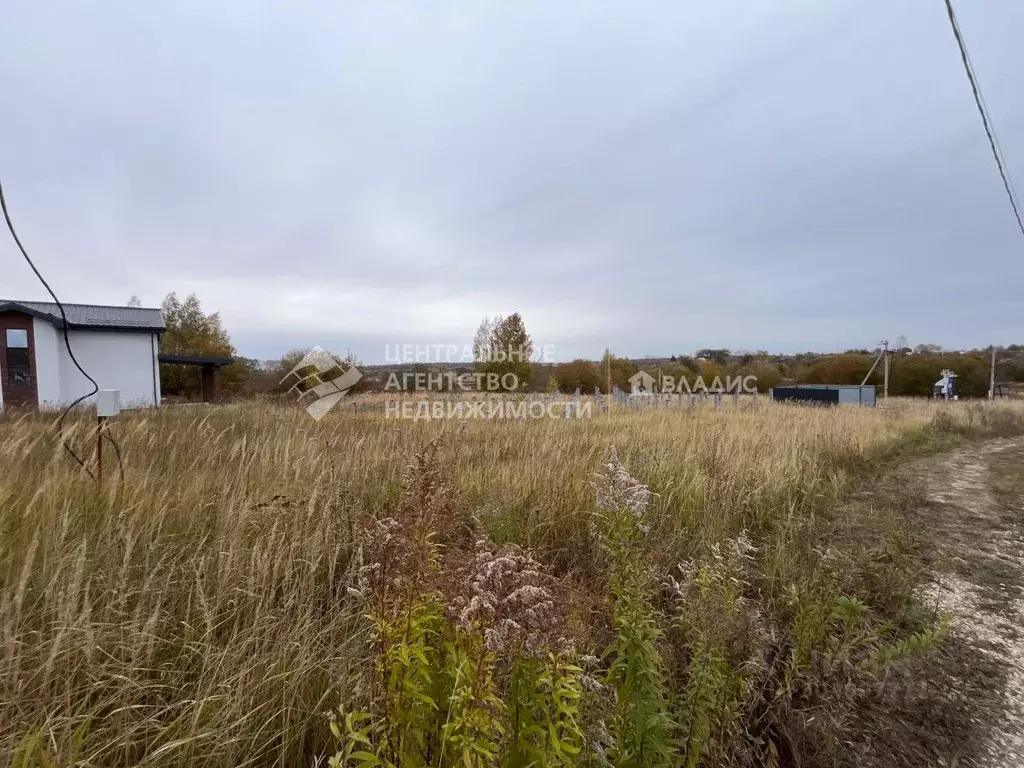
[18, 397]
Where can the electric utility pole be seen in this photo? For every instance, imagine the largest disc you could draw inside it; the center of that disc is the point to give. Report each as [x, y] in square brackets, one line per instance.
[885, 386]
[884, 353]
[992, 376]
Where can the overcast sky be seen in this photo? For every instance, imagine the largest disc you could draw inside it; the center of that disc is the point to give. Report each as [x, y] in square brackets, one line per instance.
[657, 176]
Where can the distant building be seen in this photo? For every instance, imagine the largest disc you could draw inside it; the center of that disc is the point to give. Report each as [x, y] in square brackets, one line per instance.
[117, 346]
[943, 388]
[834, 394]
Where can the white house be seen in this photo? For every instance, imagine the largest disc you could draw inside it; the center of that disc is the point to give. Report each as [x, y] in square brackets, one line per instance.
[117, 346]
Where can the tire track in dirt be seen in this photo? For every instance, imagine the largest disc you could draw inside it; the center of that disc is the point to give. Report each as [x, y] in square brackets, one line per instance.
[979, 537]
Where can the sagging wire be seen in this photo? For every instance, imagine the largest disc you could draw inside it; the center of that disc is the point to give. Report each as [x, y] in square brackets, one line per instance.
[986, 120]
[67, 343]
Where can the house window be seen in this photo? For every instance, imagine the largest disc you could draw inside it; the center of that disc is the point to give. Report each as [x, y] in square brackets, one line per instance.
[17, 358]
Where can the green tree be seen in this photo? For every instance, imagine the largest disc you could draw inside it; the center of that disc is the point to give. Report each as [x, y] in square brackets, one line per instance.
[581, 374]
[620, 369]
[712, 374]
[482, 341]
[190, 331]
[767, 375]
[720, 356]
[679, 373]
[502, 346]
[843, 369]
[916, 374]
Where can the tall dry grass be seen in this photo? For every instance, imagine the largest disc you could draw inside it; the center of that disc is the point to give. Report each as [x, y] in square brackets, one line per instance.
[196, 613]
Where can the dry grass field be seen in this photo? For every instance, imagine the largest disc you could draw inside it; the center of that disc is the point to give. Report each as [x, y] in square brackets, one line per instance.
[207, 608]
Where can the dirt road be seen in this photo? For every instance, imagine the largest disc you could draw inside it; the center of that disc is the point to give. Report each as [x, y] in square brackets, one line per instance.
[975, 519]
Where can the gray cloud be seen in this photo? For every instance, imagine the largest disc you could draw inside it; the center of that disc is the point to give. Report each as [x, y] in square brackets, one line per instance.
[655, 176]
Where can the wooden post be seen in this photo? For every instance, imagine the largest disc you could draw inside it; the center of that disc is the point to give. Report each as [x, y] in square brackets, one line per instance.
[99, 449]
[210, 377]
[608, 376]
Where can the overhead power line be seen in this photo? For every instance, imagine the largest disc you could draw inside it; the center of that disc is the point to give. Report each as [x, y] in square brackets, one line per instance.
[989, 130]
[67, 343]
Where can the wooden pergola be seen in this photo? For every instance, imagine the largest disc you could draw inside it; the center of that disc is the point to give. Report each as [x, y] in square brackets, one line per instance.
[210, 370]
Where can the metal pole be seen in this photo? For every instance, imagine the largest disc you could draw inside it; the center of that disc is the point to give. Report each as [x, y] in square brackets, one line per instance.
[992, 376]
[885, 388]
[99, 449]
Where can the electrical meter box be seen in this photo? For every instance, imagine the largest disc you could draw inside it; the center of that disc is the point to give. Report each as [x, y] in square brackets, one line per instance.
[108, 402]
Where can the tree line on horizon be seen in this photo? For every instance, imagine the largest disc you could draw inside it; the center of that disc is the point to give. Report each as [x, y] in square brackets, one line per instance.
[913, 371]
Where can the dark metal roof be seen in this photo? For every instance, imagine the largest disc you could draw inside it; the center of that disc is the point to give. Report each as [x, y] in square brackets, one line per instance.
[165, 357]
[91, 316]
[825, 386]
